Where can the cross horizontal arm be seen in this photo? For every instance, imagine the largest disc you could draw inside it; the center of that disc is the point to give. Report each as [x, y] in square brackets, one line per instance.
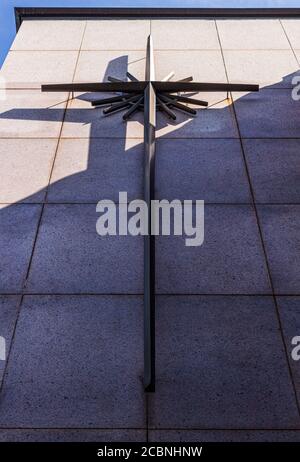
[136, 87]
[126, 87]
[173, 87]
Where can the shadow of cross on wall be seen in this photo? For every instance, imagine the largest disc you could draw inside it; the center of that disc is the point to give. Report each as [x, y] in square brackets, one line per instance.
[113, 163]
[197, 158]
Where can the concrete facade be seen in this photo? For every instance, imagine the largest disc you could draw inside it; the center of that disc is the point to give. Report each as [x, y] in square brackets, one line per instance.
[71, 303]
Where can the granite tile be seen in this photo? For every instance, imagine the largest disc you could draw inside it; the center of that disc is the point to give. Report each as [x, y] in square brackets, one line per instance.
[297, 53]
[202, 65]
[92, 170]
[30, 69]
[96, 66]
[275, 68]
[215, 121]
[280, 227]
[184, 34]
[230, 260]
[18, 225]
[47, 35]
[252, 34]
[76, 362]
[25, 168]
[289, 309]
[31, 114]
[291, 27]
[117, 34]
[267, 114]
[274, 169]
[208, 169]
[9, 305]
[221, 364]
[70, 257]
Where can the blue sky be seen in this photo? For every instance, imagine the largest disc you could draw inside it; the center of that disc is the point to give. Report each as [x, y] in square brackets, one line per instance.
[7, 20]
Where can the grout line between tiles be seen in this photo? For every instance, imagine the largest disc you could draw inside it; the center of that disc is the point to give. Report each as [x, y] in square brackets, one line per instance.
[184, 50]
[268, 429]
[162, 294]
[139, 294]
[287, 37]
[159, 139]
[207, 203]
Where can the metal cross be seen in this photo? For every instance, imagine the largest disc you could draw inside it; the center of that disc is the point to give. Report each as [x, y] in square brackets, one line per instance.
[149, 95]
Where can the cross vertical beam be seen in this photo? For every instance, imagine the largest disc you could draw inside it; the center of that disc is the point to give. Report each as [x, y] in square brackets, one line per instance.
[149, 69]
[149, 239]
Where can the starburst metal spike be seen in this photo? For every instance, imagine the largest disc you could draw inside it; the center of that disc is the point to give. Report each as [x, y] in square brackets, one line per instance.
[186, 79]
[114, 79]
[112, 109]
[133, 108]
[163, 107]
[116, 106]
[131, 77]
[187, 99]
[181, 107]
[168, 77]
[113, 99]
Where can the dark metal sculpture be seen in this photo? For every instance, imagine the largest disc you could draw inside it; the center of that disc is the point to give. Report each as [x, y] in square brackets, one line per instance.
[149, 95]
